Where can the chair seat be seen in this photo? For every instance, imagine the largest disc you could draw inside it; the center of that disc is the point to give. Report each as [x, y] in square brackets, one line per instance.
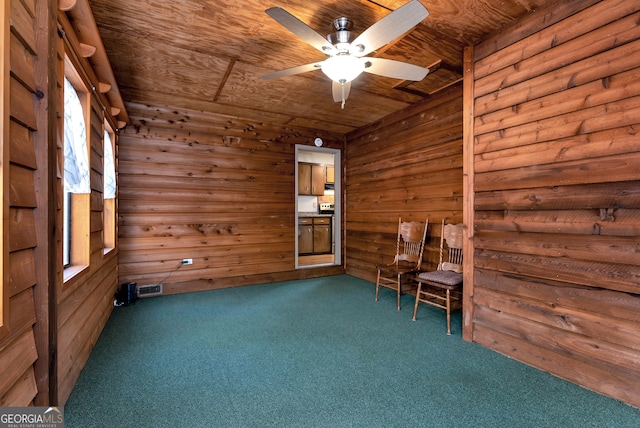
[393, 269]
[445, 277]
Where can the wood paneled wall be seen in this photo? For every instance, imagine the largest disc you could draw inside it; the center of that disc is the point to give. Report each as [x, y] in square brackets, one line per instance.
[409, 165]
[216, 189]
[556, 160]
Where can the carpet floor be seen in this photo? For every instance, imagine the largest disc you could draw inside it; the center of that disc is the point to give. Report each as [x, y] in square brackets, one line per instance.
[313, 353]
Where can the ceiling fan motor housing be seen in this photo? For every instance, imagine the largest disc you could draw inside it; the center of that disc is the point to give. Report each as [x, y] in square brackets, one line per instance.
[343, 34]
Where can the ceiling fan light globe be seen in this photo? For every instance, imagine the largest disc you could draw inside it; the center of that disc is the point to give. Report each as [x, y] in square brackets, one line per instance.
[343, 68]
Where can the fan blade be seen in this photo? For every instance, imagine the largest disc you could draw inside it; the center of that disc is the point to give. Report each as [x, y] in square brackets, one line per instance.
[389, 28]
[293, 70]
[300, 29]
[396, 69]
[337, 89]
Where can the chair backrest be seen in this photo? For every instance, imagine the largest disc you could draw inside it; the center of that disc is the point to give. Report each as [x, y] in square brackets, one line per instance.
[452, 235]
[410, 244]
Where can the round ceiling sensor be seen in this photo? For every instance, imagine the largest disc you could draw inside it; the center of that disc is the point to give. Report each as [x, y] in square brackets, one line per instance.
[318, 142]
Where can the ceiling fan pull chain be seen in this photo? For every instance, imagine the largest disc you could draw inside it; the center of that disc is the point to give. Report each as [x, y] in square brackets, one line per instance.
[343, 100]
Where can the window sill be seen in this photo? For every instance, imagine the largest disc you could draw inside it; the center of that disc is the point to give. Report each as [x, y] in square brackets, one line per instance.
[72, 272]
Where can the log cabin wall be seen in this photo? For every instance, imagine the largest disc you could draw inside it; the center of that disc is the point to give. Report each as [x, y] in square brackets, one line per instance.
[554, 154]
[213, 188]
[49, 325]
[408, 165]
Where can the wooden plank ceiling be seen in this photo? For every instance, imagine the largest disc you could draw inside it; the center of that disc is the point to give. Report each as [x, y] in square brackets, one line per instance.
[207, 55]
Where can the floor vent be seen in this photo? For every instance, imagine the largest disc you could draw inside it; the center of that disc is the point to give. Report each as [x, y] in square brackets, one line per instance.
[149, 290]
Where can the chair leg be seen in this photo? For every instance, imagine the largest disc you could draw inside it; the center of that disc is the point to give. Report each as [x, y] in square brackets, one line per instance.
[448, 312]
[399, 289]
[415, 307]
[377, 285]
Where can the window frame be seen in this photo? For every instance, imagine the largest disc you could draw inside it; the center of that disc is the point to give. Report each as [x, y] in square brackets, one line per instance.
[109, 204]
[79, 208]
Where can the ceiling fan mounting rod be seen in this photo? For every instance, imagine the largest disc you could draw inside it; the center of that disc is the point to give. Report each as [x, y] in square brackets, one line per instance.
[342, 23]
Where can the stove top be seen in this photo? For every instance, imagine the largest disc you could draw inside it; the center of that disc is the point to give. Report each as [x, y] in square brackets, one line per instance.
[326, 208]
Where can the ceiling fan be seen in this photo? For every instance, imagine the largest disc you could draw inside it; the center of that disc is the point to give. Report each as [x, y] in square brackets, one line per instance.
[346, 58]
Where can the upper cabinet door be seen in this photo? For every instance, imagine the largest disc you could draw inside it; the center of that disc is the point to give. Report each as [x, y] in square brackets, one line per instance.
[330, 174]
[317, 180]
[304, 179]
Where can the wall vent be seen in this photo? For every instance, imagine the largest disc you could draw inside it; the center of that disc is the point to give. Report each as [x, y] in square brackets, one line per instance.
[149, 290]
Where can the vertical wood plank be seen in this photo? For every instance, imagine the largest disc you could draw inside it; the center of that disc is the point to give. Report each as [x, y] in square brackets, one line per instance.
[46, 253]
[4, 161]
[468, 180]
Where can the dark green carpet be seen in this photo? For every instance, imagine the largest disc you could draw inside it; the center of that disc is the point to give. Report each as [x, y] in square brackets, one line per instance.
[313, 353]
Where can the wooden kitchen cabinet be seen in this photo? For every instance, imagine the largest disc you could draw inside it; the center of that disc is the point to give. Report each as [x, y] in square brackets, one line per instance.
[311, 179]
[330, 174]
[314, 235]
[322, 235]
[305, 235]
[304, 179]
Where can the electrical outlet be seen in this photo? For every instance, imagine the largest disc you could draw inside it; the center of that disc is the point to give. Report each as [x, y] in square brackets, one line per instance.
[187, 261]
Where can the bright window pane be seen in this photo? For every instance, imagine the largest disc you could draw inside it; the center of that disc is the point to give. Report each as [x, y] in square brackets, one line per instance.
[76, 160]
[109, 168]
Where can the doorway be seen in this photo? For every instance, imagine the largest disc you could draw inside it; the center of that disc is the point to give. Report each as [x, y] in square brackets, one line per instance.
[317, 230]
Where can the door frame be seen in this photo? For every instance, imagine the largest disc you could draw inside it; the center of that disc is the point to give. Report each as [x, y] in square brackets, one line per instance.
[337, 218]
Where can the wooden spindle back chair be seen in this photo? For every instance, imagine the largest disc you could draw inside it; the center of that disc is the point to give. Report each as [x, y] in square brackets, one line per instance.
[408, 258]
[442, 288]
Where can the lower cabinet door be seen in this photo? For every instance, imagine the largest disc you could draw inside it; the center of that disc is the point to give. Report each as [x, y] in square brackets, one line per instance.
[305, 239]
[322, 238]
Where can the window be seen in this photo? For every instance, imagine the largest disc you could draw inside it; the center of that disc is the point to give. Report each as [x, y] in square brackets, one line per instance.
[77, 189]
[109, 193]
